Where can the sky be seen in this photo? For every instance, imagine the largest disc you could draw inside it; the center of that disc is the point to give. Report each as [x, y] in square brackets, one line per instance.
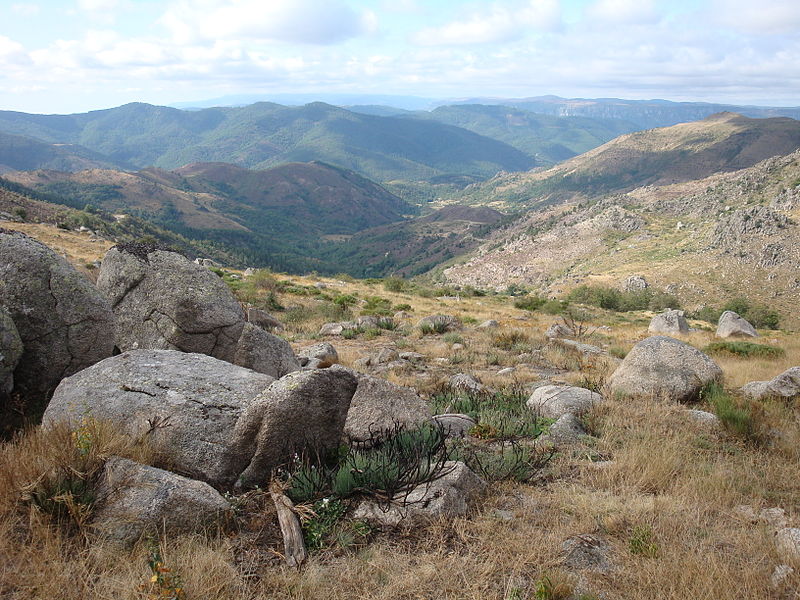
[62, 56]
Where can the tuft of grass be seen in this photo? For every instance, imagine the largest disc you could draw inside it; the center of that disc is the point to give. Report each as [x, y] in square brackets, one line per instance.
[736, 414]
[642, 542]
[744, 350]
[513, 339]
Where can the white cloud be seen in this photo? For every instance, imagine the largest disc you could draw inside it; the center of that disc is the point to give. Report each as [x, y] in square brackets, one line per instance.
[502, 23]
[764, 17]
[25, 9]
[97, 5]
[299, 21]
[624, 12]
[12, 53]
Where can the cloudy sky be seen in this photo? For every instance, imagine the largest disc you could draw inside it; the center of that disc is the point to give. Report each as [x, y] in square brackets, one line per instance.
[75, 55]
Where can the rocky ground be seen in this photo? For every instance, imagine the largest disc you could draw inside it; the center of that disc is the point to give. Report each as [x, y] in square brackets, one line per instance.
[649, 473]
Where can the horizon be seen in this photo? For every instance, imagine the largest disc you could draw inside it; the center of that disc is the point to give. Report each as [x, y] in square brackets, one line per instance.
[60, 58]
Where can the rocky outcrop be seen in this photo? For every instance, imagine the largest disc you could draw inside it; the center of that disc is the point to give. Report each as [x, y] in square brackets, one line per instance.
[785, 386]
[635, 283]
[732, 325]
[10, 352]
[263, 319]
[464, 382]
[164, 301]
[448, 496]
[558, 330]
[379, 407]
[187, 407]
[670, 322]
[322, 355]
[554, 401]
[135, 500]
[64, 324]
[663, 368]
[264, 352]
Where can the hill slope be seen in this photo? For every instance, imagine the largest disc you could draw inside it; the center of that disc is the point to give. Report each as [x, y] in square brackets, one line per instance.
[723, 142]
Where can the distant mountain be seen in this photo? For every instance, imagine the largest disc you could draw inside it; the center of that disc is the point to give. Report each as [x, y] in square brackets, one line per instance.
[282, 217]
[343, 100]
[643, 114]
[722, 142]
[262, 135]
[19, 153]
[549, 139]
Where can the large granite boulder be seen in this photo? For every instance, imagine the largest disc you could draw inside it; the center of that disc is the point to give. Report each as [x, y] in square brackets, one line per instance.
[670, 322]
[10, 352]
[786, 386]
[663, 368]
[164, 301]
[135, 500]
[63, 322]
[187, 406]
[732, 325]
[379, 407]
[264, 352]
[554, 401]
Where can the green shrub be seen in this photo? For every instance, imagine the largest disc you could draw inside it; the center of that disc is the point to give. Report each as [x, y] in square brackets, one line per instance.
[744, 350]
[529, 302]
[435, 328]
[555, 307]
[760, 316]
[405, 307]
[452, 337]
[395, 284]
[375, 305]
[734, 414]
[613, 299]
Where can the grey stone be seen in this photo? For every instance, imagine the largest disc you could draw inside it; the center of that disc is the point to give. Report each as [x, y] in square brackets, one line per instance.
[701, 417]
[378, 407]
[786, 386]
[558, 330]
[445, 322]
[489, 324]
[670, 322]
[780, 575]
[585, 349]
[732, 325]
[448, 496]
[63, 322]
[554, 401]
[663, 367]
[466, 383]
[454, 425]
[787, 542]
[163, 301]
[412, 356]
[264, 352]
[187, 406]
[323, 352]
[263, 319]
[567, 430]
[10, 351]
[635, 283]
[587, 552]
[302, 410]
[336, 328]
[507, 371]
[135, 500]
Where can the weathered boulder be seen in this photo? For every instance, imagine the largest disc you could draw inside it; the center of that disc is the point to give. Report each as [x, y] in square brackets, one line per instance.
[454, 425]
[448, 496]
[703, 418]
[670, 322]
[304, 409]
[464, 382]
[324, 353]
[134, 500]
[732, 325]
[787, 542]
[635, 283]
[489, 324]
[558, 330]
[440, 323]
[588, 350]
[64, 323]
[10, 351]
[263, 319]
[264, 352]
[786, 386]
[568, 429]
[336, 328]
[554, 401]
[164, 301]
[378, 407]
[187, 406]
[663, 367]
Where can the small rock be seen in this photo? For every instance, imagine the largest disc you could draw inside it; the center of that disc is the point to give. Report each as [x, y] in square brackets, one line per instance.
[466, 383]
[412, 356]
[732, 325]
[567, 430]
[670, 322]
[787, 542]
[587, 552]
[558, 330]
[704, 418]
[780, 575]
[507, 371]
[489, 324]
[456, 347]
[554, 401]
[635, 283]
[454, 425]
[324, 353]
[585, 349]
[774, 517]
[785, 386]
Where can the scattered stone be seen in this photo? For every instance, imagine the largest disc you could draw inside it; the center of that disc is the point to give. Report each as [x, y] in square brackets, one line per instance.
[670, 322]
[444, 322]
[635, 283]
[490, 324]
[454, 425]
[587, 552]
[401, 315]
[336, 328]
[779, 576]
[774, 517]
[10, 352]
[134, 500]
[558, 330]
[249, 272]
[324, 353]
[63, 322]
[787, 542]
[785, 386]
[567, 430]
[554, 401]
[264, 352]
[379, 407]
[263, 319]
[456, 347]
[732, 325]
[448, 496]
[507, 371]
[585, 349]
[163, 301]
[701, 417]
[663, 367]
[466, 383]
[412, 357]
[320, 286]
[187, 406]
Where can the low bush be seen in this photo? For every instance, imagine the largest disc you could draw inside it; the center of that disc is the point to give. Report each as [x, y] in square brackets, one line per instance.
[529, 302]
[613, 299]
[759, 315]
[744, 350]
